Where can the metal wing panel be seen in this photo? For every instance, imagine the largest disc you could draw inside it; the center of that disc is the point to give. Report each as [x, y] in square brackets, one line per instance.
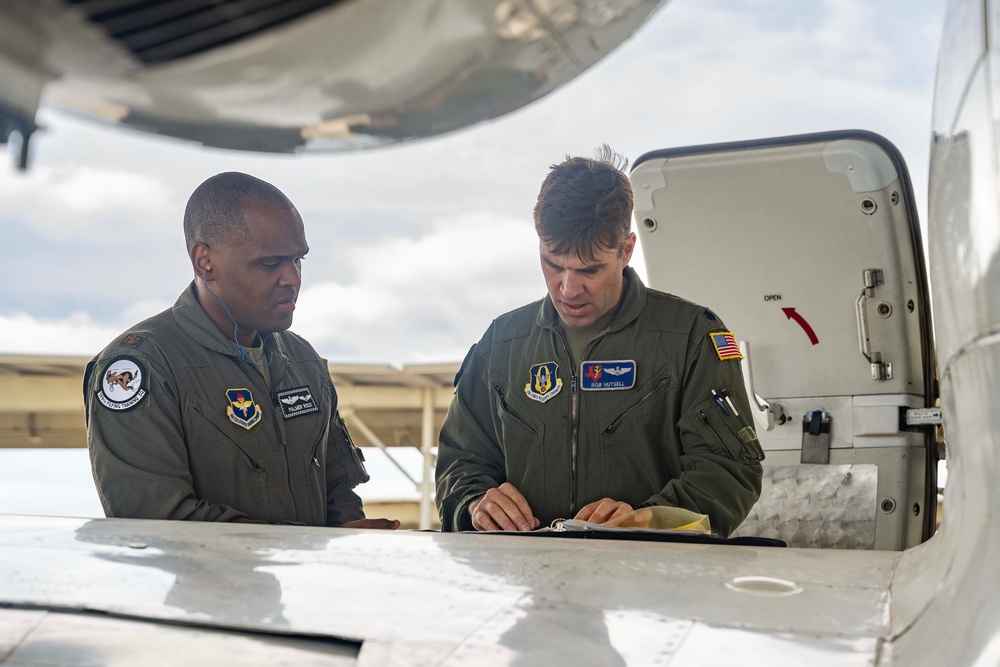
[414, 598]
[327, 76]
[161, 32]
[965, 241]
[945, 608]
[82, 640]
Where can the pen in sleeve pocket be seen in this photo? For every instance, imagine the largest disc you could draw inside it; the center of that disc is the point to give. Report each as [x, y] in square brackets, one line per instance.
[718, 401]
[729, 402]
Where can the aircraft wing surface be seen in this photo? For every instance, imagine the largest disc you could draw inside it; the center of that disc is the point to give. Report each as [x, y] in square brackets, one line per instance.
[276, 76]
[336, 596]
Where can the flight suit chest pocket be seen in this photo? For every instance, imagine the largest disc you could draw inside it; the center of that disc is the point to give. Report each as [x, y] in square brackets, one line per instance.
[228, 463]
[643, 413]
[520, 434]
[637, 452]
[726, 432]
[515, 420]
[303, 432]
[212, 434]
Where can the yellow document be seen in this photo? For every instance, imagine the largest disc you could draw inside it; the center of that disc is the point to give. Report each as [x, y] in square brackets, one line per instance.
[659, 518]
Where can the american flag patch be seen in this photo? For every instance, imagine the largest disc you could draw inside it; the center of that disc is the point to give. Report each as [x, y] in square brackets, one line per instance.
[725, 345]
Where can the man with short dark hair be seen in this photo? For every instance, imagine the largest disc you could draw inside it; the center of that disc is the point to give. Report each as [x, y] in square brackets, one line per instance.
[212, 410]
[604, 396]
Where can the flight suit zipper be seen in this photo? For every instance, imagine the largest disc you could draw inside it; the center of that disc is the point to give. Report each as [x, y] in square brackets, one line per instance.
[572, 422]
[573, 440]
[575, 412]
[256, 466]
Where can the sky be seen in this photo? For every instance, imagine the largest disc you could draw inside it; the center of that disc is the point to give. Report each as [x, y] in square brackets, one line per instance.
[415, 248]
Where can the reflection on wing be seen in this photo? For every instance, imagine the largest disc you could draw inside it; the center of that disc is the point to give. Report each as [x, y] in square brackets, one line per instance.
[310, 75]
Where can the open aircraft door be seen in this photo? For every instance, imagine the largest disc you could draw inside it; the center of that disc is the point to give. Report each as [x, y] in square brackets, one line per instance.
[809, 249]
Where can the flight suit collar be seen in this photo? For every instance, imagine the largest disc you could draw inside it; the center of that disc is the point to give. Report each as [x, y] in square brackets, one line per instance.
[631, 305]
[196, 323]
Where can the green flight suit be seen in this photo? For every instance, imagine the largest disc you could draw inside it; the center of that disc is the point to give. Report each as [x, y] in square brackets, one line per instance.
[180, 427]
[664, 441]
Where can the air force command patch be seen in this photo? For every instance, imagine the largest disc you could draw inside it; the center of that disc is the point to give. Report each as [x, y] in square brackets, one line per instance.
[607, 375]
[123, 384]
[542, 382]
[296, 402]
[725, 345]
[242, 410]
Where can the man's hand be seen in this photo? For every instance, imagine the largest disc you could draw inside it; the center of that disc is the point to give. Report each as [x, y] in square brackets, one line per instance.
[638, 519]
[502, 508]
[373, 524]
[603, 511]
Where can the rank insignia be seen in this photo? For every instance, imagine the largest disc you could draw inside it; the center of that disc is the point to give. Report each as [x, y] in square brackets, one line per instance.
[725, 345]
[542, 382]
[122, 385]
[242, 410]
[296, 402]
[607, 375]
[133, 340]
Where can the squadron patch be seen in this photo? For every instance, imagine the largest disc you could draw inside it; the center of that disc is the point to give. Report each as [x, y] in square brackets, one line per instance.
[725, 345]
[122, 384]
[296, 402]
[542, 382]
[607, 375]
[242, 410]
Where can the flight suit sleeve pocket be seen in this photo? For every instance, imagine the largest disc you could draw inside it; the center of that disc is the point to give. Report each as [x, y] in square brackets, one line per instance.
[726, 433]
[359, 474]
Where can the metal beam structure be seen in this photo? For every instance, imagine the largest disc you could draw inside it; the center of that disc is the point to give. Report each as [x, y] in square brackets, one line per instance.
[41, 406]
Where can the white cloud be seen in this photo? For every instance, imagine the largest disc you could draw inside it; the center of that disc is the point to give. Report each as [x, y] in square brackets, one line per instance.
[427, 298]
[702, 71]
[140, 310]
[79, 200]
[77, 334]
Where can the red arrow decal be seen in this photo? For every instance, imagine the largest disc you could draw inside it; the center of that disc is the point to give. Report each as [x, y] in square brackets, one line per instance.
[792, 315]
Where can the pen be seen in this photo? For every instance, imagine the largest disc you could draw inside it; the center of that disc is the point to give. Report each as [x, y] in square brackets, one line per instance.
[718, 401]
[729, 402]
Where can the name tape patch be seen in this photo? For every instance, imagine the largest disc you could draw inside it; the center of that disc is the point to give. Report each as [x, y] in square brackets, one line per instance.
[296, 402]
[607, 375]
